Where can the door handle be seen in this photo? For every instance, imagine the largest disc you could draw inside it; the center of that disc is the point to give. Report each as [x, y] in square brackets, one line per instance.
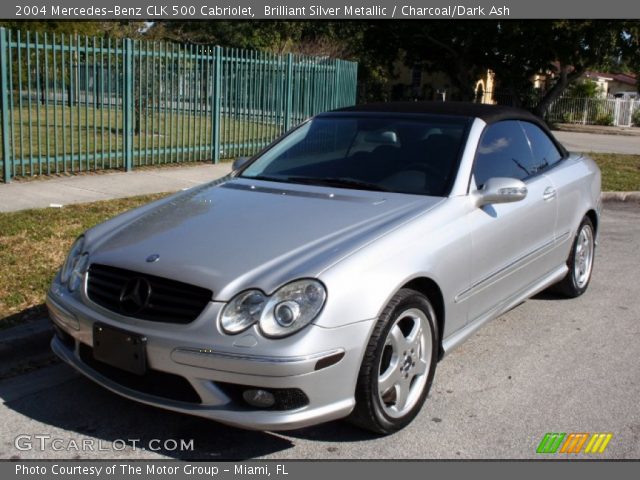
[549, 194]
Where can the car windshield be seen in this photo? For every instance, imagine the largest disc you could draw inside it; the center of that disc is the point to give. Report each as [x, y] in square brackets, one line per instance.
[416, 155]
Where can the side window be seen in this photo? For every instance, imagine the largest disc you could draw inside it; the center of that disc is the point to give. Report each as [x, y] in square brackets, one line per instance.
[545, 153]
[503, 152]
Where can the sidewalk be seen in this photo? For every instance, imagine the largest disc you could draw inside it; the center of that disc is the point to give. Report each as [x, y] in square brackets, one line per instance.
[104, 186]
[599, 142]
[57, 191]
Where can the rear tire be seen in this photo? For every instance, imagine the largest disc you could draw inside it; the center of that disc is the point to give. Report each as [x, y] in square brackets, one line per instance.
[580, 262]
[398, 366]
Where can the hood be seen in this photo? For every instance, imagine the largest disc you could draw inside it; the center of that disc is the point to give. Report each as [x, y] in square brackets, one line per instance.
[240, 233]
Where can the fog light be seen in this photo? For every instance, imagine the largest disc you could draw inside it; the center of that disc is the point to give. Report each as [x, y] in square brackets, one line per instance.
[259, 398]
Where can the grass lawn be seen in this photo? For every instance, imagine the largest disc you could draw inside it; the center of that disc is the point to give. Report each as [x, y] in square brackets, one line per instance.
[46, 130]
[80, 138]
[620, 173]
[33, 243]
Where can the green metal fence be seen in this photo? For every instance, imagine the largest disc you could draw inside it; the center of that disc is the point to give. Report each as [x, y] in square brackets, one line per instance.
[74, 104]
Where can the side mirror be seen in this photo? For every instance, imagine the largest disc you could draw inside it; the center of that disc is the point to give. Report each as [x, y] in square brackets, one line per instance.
[239, 162]
[501, 190]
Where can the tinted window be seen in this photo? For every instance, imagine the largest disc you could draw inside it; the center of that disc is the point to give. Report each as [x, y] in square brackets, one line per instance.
[544, 150]
[398, 154]
[503, 152]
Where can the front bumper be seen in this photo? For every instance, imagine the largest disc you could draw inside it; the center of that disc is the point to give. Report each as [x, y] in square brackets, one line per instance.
[323, 363]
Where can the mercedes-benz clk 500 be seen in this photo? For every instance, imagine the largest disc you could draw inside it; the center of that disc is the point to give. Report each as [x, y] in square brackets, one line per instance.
[328, 275]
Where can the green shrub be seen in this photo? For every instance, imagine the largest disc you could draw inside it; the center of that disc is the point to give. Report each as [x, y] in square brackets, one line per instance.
[605, 119]
[584, 89]
[564, 117]
[635, 119]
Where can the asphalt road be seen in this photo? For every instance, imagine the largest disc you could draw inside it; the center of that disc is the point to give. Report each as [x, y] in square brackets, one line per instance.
[550, 365]
[597, 142]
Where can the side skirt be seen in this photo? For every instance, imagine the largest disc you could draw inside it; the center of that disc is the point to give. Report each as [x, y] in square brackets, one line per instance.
[459, 336]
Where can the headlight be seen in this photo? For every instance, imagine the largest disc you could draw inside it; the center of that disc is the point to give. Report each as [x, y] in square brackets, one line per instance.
[292, 307]
[72, 257]
[289, 309]
[242, 311]
[77, 272]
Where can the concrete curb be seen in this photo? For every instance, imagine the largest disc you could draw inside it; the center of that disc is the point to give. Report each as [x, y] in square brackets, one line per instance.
[621, 197]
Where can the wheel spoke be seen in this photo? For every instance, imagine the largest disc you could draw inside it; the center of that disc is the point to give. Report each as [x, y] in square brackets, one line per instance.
[398, 340]
[421, 367]
[414, 336]
[390, 378]
[402, 394]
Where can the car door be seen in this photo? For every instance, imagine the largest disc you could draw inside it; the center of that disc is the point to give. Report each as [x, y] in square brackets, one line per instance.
[564, 180]
[509, 240]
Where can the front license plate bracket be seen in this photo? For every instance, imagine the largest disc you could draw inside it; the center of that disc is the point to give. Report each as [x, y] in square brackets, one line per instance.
[120, 349]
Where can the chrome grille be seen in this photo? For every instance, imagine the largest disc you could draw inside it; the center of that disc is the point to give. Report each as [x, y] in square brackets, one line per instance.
[159, 299]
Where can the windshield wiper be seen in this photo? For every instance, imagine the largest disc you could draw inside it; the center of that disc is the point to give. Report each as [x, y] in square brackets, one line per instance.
[339, 182]
[266, 178]
[521, 166]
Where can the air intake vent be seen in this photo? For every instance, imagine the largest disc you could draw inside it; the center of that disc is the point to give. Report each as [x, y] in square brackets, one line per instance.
[143, 296]
[153, 382]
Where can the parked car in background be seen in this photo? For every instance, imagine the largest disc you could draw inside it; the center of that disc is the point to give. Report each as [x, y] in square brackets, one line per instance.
[328, 275]
[627, 95]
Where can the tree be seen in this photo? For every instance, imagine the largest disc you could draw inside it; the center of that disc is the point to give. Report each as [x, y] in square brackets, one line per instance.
[517, 50]
[109, 29]
[584, 89]
[514, 50]
[573, 47]
[276, 36]
[632, 51]
[454, 48]
[356, 41]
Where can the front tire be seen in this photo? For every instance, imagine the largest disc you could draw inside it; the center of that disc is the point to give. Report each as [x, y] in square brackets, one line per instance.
[399, 364]
[580, 261]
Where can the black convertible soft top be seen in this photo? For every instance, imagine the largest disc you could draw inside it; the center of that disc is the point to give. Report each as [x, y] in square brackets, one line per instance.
[488, 113]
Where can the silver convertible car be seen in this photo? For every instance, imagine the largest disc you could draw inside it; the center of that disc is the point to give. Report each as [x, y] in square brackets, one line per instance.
[327, 275]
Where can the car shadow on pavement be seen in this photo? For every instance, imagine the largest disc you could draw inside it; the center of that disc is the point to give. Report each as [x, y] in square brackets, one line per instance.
[549, 295]
[337, 431]
[79, 410]
[28, 314]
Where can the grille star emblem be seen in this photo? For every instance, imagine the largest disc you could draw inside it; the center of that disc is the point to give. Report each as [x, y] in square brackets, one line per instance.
[135, 295]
